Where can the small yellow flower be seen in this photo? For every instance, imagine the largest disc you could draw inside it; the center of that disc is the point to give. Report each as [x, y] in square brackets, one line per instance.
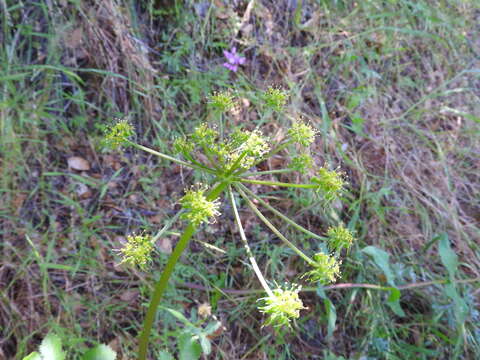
[118, 134]
[282, 306]
[221, 101]
[339, 237]
[325, 270]
[199, 209]
[302, 163]
[330, 183]
[302, 133]
[137, 251]
[204, 135]
[245, 147]
[275, 98]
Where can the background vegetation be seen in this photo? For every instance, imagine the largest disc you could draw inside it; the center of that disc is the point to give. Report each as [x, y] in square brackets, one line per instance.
[393, 88]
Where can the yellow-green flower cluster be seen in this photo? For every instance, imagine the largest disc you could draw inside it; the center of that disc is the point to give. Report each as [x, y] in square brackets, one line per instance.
[137, 251]
[241, 149]
[203, 135]
[117, 134]
[302, 163]
[339, 237]
[275, 98]
[302, 133]
[282, 306]
[221, 101]
[248, 147]
[330, 183]
[199, 208]
[182, 145]
[325, 270]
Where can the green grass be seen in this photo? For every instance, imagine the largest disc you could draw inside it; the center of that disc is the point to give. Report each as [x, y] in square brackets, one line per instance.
[392, 87]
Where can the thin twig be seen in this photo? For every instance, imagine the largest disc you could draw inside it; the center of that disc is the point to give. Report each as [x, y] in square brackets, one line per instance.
[333, 287]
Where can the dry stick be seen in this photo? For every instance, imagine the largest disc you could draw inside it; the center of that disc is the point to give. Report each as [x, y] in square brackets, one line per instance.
[333, 287]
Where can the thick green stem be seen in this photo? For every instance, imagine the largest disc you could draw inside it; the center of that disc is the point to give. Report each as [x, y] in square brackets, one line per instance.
[171, 158]
[280, 215]
[251, 258]
[272, 227]
[162, 283]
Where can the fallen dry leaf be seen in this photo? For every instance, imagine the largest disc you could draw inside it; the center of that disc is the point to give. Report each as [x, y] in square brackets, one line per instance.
[18, 201]
[129, 295]
[83, 191]
[74, 38]
[165, 245]
[78, 163]
[204, 310]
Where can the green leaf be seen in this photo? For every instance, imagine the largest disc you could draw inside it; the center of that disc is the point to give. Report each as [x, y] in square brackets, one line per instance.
[205, 344]
[165, 355]
[460, 307]
[447, 255]
[393, 301]
[179, 316]
[100, 352]
[189, 348]
[212, 327]
[381, 259]
[33, 356]
[330, 311]
[51, 348]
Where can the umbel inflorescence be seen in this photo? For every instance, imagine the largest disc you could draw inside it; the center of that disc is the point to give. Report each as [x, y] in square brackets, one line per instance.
[228, 160]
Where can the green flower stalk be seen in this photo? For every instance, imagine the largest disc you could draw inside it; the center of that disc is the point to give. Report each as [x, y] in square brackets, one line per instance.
[117, 135]
[339, 237]
[198, 208]
[137, 251]
[282, 306]
[275, 98]
[302, 133]
[325, 270]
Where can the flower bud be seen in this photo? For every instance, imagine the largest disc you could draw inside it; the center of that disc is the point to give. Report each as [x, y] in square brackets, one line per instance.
[252, 145]
[302, 163]
[275, 98]
[221, 101]
[199, 209]
[137, 251]
[325, 270]
[118, 134]
[204, 135]
[339, 237]
[329, 182]
[182, 145]
[302, 133]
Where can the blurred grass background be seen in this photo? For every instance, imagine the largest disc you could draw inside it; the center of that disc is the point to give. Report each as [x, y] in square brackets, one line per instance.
[393, 88]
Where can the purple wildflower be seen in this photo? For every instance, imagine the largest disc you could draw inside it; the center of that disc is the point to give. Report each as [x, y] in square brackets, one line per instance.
[233, 59]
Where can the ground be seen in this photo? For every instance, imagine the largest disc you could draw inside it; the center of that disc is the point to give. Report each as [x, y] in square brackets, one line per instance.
[393, 89]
